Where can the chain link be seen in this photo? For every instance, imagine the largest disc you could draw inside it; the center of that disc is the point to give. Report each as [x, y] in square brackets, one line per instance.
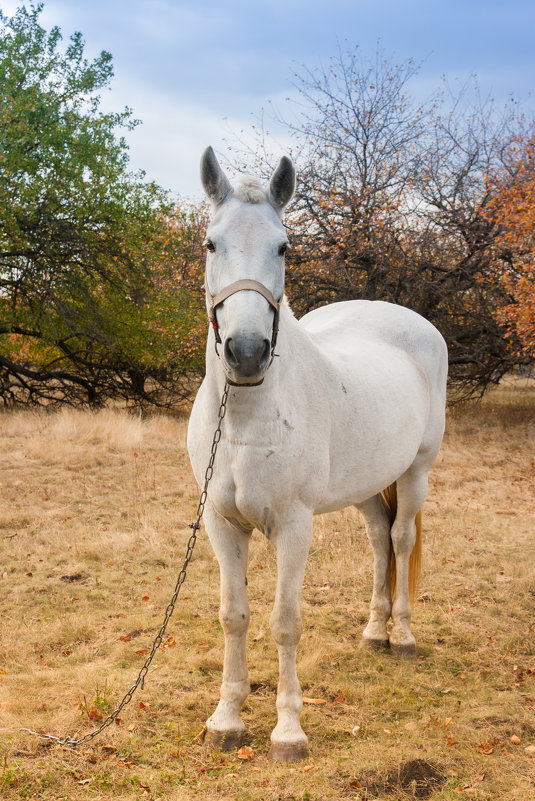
[72, 741]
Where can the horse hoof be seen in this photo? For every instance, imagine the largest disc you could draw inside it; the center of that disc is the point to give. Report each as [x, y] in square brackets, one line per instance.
[366, 643]
[224, 740]
[407, 651]
[288, 752]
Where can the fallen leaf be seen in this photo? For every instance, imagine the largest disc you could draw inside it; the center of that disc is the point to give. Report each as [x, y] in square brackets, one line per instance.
[143, 705]
[356, 784]
[447, 723]
[109, 749]
[145, 598]
[94, 714]
[316, 701]
[126, 638]
[451, 741]
[245, 752]
[202, 734]
[307, 768]
[338, 700]
[143, 651]
[515, 739]
[84, 781]
[485, 748]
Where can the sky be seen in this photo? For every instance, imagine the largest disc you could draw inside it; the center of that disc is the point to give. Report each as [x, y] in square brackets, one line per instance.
[202, 72]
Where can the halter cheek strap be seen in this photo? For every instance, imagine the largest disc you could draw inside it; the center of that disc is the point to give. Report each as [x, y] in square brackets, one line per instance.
[238, 286]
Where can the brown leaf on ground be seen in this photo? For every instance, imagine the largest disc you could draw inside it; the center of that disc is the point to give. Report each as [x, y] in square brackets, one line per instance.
[202, 734]
[316, 701]
[245, 752]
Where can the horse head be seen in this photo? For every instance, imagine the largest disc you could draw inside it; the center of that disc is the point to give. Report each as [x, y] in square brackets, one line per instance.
[245, 243]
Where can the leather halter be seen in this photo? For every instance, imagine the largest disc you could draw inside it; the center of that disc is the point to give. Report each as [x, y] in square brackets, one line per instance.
[239, 286]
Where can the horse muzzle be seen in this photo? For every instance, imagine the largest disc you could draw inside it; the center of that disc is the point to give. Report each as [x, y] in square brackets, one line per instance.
[246, 358]
[246, 354]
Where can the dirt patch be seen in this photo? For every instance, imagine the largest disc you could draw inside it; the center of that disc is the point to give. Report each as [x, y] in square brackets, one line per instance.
[414, 779]
[75, 578]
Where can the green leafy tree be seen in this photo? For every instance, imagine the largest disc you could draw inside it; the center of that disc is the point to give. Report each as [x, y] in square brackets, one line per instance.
[85, 312]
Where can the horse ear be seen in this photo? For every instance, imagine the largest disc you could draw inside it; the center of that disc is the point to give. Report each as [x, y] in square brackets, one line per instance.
[215, 182]
[282, 184]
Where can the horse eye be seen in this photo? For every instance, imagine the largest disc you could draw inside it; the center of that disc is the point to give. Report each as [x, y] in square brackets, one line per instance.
[283, 248]
[209, 245]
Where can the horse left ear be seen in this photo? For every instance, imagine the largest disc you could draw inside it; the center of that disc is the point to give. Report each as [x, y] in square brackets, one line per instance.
[282, 184]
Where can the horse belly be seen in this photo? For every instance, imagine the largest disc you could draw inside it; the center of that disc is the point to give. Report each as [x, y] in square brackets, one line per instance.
[376, 432]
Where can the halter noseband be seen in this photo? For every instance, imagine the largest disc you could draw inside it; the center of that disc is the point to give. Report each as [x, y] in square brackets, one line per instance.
[238, 286]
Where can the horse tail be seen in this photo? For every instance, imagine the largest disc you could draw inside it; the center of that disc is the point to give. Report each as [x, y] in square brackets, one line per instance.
[389, 497]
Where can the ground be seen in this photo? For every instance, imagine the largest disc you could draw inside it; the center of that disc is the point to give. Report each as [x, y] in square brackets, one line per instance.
[94, 510]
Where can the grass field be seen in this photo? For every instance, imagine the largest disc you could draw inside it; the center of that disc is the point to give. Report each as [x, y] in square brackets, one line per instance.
[94, 510]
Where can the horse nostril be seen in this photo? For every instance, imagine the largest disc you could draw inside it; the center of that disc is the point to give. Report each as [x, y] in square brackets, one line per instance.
[230, 356]
[266, 353]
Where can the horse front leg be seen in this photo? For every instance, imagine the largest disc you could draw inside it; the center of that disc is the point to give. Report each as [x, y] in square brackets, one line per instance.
[288, 740]
[231, 545]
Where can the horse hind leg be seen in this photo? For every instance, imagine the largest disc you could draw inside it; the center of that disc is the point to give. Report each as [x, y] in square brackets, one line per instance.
[411, 494]
[378, 524]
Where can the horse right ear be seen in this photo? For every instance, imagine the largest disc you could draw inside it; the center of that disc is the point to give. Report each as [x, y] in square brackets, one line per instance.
[215, 182]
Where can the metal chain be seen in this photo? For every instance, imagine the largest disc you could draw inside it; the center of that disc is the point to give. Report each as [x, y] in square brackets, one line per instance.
[72, 741]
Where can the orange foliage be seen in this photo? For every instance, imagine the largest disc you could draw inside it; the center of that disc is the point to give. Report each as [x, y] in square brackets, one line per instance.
[513, 208]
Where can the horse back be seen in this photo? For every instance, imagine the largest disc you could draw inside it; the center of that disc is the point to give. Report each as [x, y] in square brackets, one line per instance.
[342, 328]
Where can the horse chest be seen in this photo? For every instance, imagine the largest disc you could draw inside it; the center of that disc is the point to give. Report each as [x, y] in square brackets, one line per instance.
[260, 468]
[251, 483]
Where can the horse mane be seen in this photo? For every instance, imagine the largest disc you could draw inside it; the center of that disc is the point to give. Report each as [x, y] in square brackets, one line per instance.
[250, 190]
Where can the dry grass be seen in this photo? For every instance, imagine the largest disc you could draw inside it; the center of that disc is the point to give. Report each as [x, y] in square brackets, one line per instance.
[93, 518]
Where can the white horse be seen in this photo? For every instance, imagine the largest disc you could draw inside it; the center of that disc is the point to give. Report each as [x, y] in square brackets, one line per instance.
[352, 403]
